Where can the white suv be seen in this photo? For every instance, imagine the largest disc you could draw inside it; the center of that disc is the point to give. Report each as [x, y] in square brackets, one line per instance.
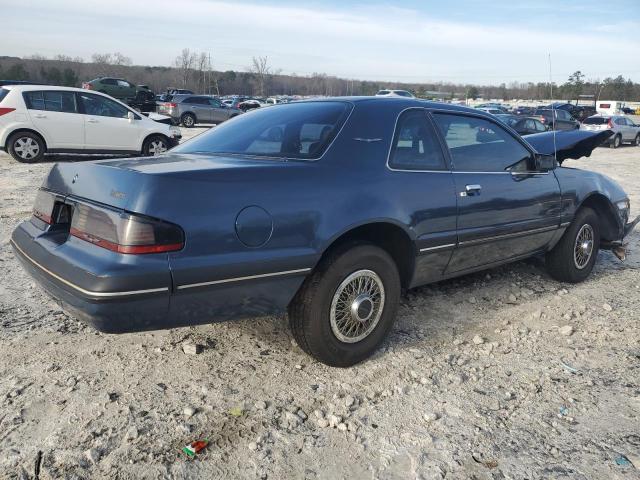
[39, 119]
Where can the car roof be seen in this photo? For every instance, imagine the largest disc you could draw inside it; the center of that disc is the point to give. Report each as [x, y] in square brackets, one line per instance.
[28, 88]
[402, 102]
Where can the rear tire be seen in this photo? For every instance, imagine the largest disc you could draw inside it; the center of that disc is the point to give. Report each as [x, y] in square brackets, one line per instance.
[617, 141]
[573, 258]
[188, 120]
[347, 306]
[26, 147]
[636, 142]
[155, 145]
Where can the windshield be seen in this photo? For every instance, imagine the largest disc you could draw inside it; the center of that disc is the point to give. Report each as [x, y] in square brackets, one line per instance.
[295, 130]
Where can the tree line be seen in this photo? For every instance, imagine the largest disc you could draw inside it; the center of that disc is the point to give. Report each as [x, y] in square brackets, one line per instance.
[195, 71]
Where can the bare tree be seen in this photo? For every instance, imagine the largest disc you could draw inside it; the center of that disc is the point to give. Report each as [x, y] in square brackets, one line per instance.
[101, 58]
[261, 69]
[119, 59]
[203, 68]
[185, 62]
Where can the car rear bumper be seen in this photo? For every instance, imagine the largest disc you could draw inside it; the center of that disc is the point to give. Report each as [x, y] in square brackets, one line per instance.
[109, 291]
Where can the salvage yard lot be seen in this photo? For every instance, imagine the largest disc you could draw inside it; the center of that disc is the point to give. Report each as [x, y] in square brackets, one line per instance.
[501, 374]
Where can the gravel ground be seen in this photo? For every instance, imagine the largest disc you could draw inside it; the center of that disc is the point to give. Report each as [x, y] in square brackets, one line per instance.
[500, 374]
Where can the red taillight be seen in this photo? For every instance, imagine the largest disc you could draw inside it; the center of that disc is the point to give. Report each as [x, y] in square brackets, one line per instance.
[5, 110]
[171, 105]
[123, 232]
[43, 206]
[610, 123]
[87, 86]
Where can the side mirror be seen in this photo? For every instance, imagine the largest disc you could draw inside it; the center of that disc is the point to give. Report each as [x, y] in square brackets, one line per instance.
[544, 163]
[131, 117]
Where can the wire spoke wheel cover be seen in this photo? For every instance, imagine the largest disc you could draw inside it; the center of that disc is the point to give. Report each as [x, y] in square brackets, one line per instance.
[26, 147]
[357, 306]
[583, 248]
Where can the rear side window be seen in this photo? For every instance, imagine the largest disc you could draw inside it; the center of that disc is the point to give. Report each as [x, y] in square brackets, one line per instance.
[478, 145]
[51, 101]
[595, 121]
[415, 145]
[196, 100]
[297, 130]
[109, 81]
[3, 93]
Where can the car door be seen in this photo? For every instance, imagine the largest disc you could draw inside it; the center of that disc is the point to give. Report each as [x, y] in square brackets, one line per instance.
[506, 209]
[199, 106]
[218, 113]
[628, 132]
[565, 120]
[54, 113]
[107, 126]
[424, 181]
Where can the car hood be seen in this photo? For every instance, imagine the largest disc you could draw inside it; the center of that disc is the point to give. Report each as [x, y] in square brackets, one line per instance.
[573, 144]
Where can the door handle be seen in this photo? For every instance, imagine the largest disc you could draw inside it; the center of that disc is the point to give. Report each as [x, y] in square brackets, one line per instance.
[471, 190]
[40, 115]
[92, 120]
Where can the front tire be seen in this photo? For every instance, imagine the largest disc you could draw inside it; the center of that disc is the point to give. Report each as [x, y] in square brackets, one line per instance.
[26, 147]
[188, 120]
[347, 306]
[155, 145]
[636, 142]
[617, 141]
[573, 258]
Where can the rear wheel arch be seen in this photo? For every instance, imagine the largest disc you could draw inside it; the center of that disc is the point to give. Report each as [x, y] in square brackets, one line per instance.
[607, 215]
[386, 235]
[22, 130]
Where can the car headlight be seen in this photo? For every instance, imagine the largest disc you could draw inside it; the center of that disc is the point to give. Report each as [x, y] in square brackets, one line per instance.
[623, 209]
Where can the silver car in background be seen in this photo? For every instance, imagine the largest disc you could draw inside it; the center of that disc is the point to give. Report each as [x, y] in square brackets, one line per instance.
[191, 109]
[624, 129]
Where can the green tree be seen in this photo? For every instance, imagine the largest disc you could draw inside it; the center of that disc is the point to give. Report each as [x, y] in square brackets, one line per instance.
[69, 77]
[472, 93]
[17, 72]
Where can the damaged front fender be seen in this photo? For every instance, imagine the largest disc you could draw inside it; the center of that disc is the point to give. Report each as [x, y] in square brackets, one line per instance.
[567, 144]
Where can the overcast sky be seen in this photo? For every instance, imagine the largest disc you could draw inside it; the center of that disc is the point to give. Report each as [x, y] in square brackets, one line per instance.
[482, 41]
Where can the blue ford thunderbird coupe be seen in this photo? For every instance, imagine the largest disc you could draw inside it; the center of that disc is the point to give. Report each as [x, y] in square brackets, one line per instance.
[326, 209]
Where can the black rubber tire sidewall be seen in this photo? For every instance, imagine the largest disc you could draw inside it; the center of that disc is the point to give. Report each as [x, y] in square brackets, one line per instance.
[310, 310]
[185, 116]
[37, 158]
[616, 142]
[559, 260]
[636, 142]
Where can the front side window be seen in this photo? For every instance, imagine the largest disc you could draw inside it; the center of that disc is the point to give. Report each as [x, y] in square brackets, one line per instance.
[296, 130]
[478, 145]
[102, 107]
[415, 145]
[123, 83]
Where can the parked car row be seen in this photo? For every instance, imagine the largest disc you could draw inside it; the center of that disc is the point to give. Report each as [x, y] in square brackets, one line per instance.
[40, 119]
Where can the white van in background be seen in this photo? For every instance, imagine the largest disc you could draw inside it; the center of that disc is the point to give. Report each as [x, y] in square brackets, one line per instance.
[608, 107]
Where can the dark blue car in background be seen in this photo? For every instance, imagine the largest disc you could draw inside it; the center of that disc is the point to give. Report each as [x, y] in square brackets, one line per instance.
[325, 209]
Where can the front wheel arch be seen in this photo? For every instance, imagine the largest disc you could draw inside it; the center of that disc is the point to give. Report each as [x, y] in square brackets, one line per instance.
[151, 136]
[610, 229]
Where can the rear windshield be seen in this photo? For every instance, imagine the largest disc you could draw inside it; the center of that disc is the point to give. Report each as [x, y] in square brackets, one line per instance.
[295, 130]
[595, 121]
[3, 93]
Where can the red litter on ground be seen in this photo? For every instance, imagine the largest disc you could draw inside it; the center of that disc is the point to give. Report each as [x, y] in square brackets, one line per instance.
[193, 448]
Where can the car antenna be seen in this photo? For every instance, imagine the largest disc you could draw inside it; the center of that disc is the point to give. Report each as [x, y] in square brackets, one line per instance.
[553, 113]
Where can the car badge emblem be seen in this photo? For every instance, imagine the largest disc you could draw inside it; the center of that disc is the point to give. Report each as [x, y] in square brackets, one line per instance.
[75, 178]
